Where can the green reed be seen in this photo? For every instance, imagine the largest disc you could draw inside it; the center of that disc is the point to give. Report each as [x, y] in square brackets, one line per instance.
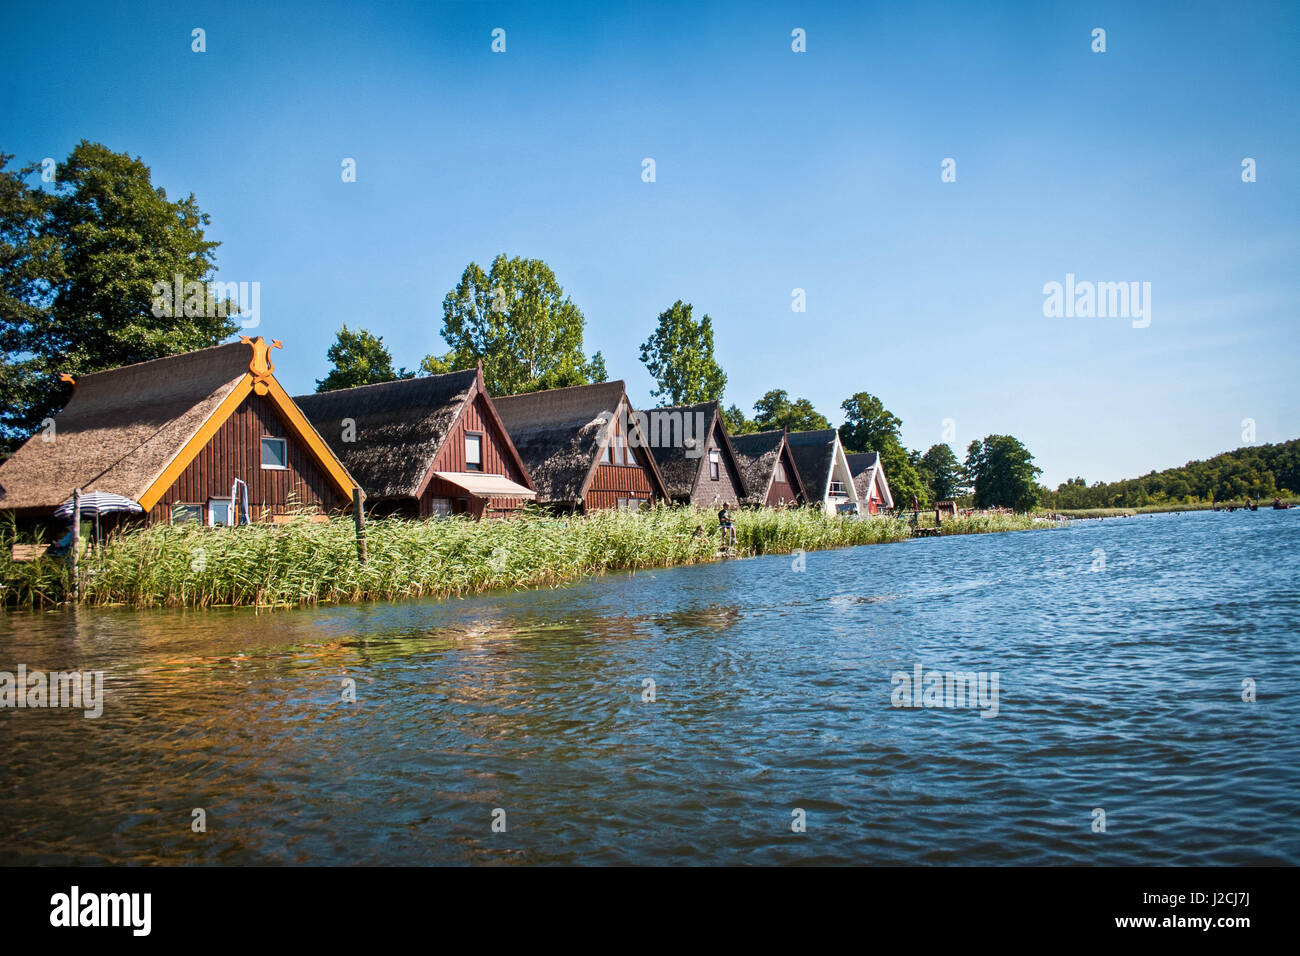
[308, 563]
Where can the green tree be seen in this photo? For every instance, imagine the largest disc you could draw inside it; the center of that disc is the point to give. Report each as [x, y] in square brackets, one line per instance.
[868, 425]
[775, 410]
[79, 263]
[942, 472]
[358, 358]
[680, 357]
[905, 479]
[517, 320]
[1003, 473]
[735, 422]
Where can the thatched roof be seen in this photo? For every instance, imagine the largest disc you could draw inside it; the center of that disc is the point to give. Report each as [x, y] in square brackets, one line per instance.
[863, 467]
[399, 428]
[813, 453]
[122, 427]
[756, 456]
[559, 433]
[680, 470]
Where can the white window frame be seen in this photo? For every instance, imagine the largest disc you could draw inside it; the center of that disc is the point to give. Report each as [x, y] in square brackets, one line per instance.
[474, 438]
[210, 516]
[284, 448]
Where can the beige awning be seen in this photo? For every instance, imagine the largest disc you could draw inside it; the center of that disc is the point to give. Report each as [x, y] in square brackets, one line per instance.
[486, 486]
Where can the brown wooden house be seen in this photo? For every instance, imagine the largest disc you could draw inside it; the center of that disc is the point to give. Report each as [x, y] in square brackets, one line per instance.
[424, 447]
[189, 438]
[695, 455]
[584, 447]
[769, 470]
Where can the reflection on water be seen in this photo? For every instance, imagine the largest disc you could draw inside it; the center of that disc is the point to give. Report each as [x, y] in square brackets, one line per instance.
[1119, 690]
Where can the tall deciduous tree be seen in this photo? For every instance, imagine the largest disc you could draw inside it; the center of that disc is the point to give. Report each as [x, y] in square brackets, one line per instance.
[517, 320]
[775, 410]
[78, 267]
[942, 472]
[868, 425]
[680, 357]
[1003, 473]
[359, 358]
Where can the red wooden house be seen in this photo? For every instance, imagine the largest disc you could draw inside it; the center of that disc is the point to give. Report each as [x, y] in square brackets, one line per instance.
[188, 437]
[583, 447]
[424, 447]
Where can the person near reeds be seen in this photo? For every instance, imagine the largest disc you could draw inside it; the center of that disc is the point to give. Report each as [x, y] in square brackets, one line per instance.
[727, 525]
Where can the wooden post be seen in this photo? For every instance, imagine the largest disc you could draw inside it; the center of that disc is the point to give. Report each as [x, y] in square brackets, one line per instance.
[76, 545]
[359, 516]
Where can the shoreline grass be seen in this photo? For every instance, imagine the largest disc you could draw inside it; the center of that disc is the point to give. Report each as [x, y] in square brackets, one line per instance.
[304, 563]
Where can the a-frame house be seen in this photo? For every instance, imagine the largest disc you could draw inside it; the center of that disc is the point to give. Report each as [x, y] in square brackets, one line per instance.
[769, 470]
[425, 447]
[584, 448]
[824, 468]
[208, 436]
[695, 455]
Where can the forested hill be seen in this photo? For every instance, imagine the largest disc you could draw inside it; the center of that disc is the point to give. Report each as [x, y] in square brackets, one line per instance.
[1262, 472]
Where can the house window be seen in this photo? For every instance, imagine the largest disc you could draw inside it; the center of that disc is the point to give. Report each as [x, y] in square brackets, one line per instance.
[274, 453]
[473, 452]
[220, 512]
[635, 504]
[187, 513]
[715, 461]
[778, 473]
[440, 507]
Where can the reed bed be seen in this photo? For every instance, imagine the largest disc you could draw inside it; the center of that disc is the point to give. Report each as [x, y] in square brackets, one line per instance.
[303, 563]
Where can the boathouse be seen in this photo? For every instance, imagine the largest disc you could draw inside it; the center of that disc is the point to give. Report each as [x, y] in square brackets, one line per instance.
[424, 447]
[695, 455]
[824, 468]
[584, 447]
[768, 470]
[208, 436]
[870, 482]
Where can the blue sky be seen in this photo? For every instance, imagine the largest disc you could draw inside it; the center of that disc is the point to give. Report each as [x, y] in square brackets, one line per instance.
[775, 171]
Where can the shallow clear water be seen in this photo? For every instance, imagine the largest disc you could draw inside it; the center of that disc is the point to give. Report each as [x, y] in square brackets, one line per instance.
[1119, 689]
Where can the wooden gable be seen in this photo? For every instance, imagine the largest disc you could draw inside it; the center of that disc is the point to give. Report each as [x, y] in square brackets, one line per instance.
[497, 457]
[786, 492]
[235, 451]
[622, 471]
[727, 488]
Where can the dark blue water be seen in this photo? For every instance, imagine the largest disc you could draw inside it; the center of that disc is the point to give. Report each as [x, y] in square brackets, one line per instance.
[1120, 689]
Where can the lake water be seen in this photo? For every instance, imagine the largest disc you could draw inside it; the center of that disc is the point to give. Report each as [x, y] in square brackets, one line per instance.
[1120, 648]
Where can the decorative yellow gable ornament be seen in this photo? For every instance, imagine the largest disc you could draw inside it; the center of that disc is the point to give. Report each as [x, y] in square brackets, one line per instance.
[261, 366]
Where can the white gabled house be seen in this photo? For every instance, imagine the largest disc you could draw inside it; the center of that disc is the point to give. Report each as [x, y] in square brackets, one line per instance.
[825, 470]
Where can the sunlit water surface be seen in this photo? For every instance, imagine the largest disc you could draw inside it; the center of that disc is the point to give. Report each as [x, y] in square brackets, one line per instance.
[1120, 689]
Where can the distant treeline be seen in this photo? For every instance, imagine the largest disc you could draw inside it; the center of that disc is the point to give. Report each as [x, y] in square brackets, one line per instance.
[1261, 472]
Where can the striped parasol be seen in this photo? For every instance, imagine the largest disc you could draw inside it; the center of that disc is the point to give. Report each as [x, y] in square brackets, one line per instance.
[99, 503]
